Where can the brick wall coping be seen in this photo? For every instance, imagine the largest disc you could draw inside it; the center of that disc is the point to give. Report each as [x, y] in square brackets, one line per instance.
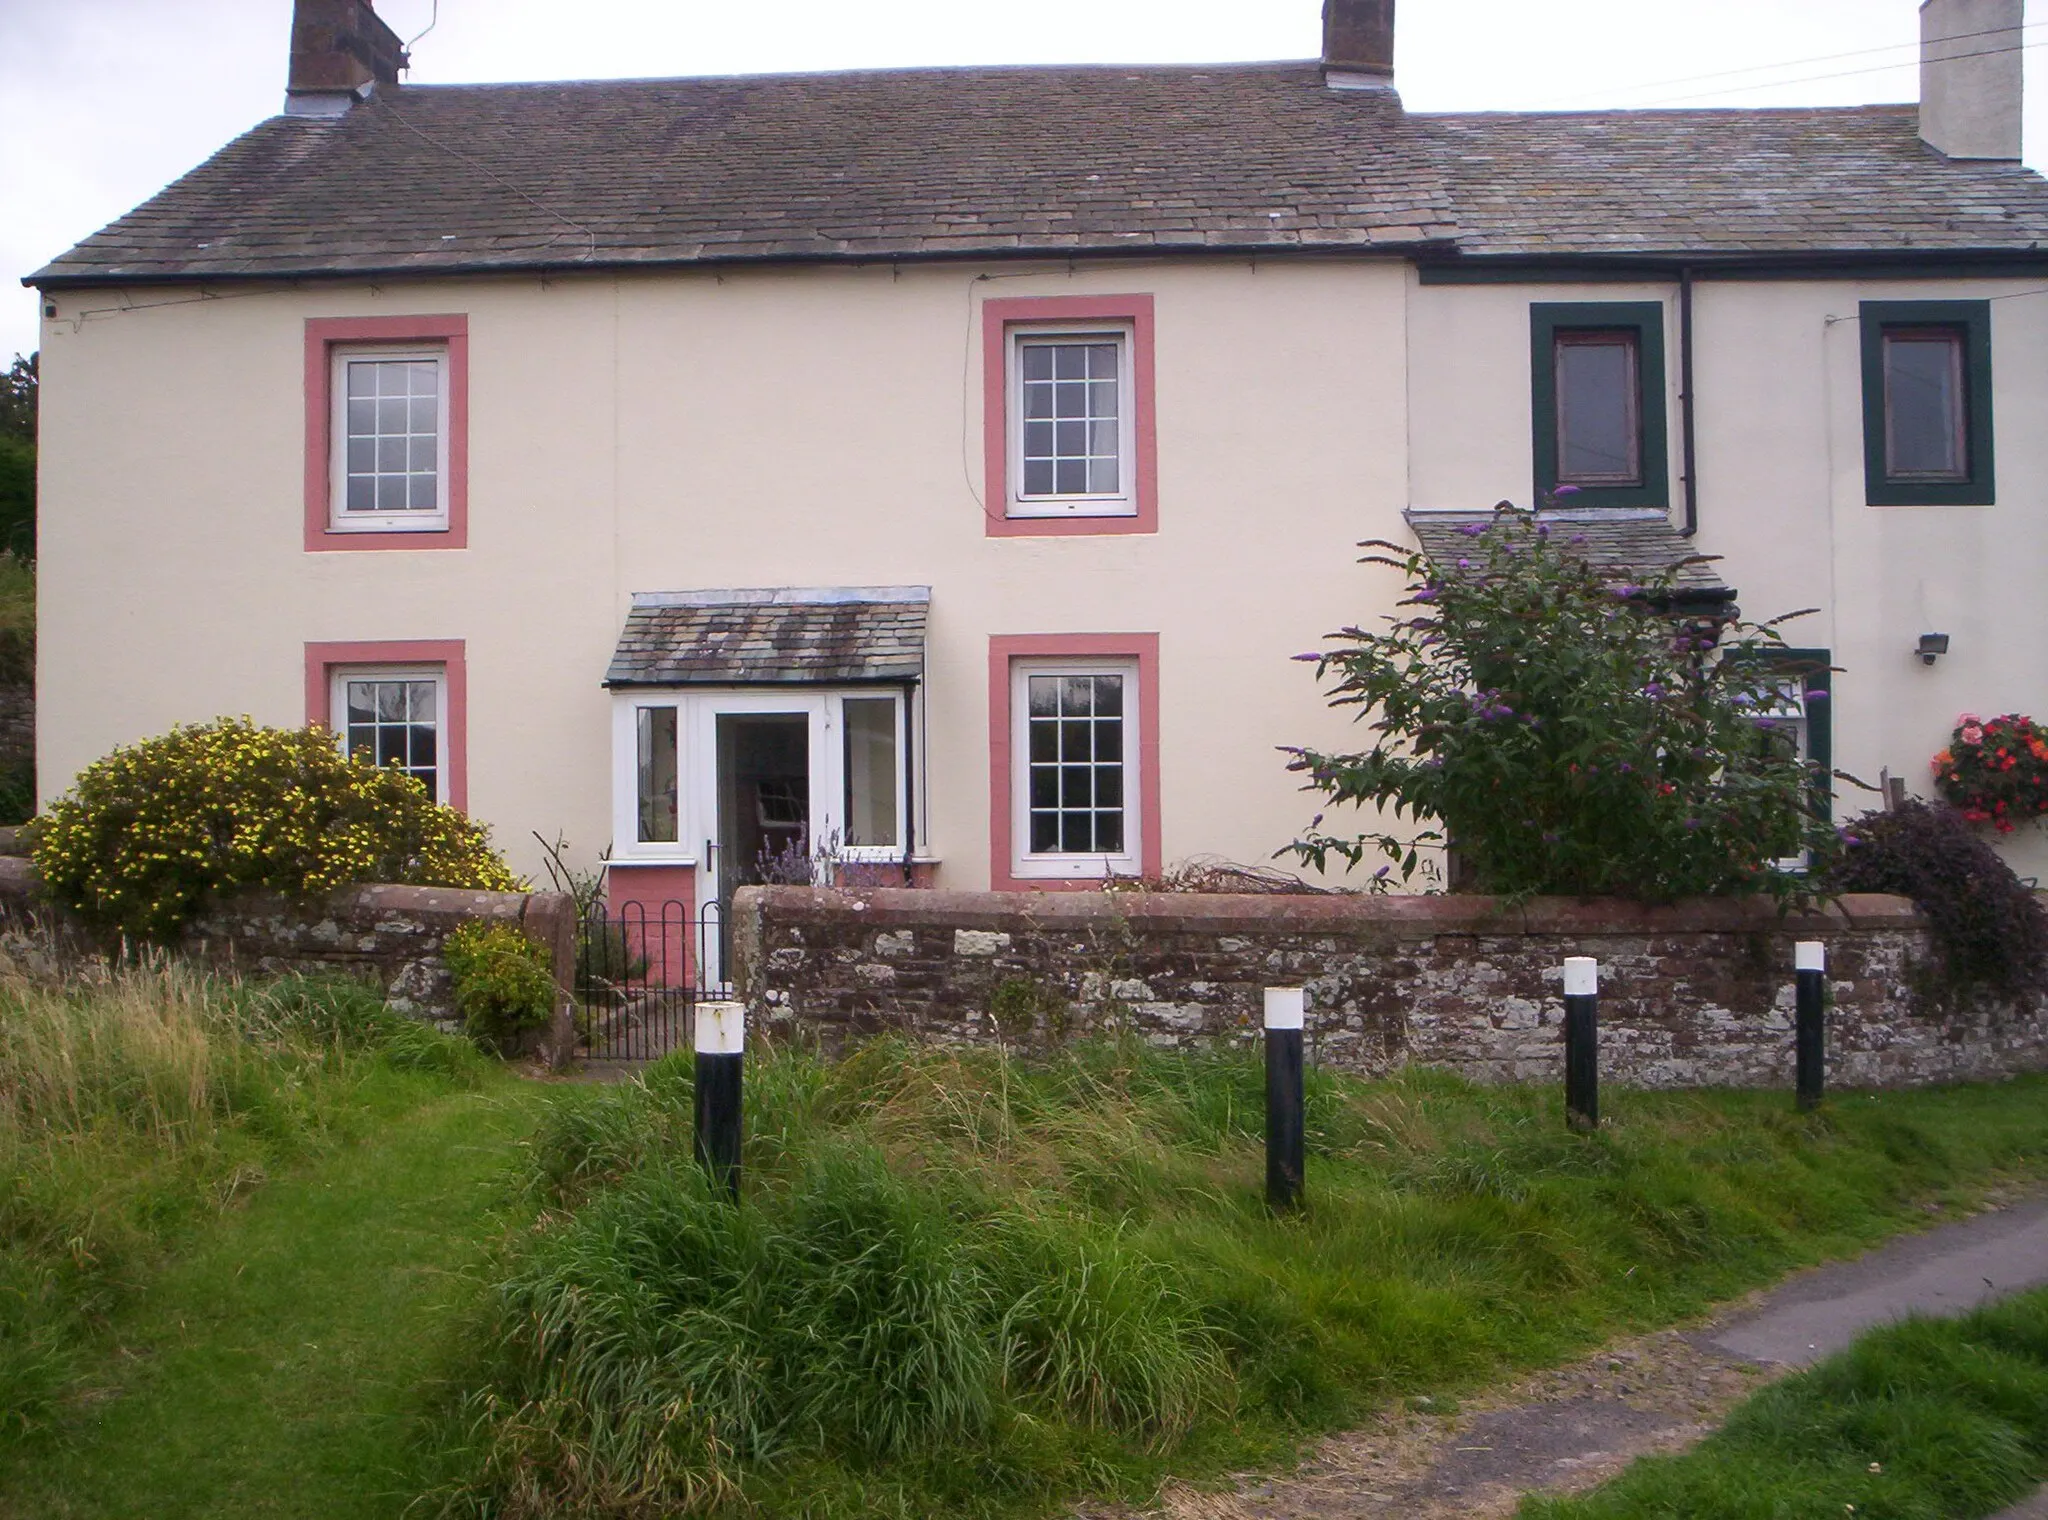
[1392, 917]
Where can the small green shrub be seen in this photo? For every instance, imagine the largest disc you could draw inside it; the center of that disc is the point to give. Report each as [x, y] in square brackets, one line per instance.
[504, 982]
[147, 834]
[1988, 925]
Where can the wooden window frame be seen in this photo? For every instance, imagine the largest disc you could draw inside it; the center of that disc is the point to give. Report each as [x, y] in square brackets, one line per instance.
[1971, 321]
[1549, 321]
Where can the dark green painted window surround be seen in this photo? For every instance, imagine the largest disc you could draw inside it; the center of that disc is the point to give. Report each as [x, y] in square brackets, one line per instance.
[1817, 697]
[1646, 320]
[1974, 319]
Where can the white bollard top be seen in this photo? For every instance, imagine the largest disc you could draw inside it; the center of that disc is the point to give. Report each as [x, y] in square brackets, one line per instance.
[721, 1028]
[1810, 955]
[1581, 976]
[1285, 1006]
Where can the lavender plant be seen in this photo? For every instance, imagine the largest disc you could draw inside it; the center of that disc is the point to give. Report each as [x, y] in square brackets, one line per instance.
[1567, 735]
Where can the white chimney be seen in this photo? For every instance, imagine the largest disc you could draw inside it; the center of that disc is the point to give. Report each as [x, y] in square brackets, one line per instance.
[1970, 72]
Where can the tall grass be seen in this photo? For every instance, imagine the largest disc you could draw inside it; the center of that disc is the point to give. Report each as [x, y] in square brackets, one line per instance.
[964, 1284]
[134, 1104]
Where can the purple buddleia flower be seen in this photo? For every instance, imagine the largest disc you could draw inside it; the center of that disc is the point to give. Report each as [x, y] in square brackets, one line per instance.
[1304, 657]
[1816, 696]
[1692, 823]
[1565, 491]
[1473, 530]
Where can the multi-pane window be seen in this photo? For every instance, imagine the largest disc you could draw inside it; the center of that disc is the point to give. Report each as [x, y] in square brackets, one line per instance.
[394, 717]
[1599, 432]
[1076, 751]
[1926, 421]
[1071, 407]
[1927, 403]
[390, 433]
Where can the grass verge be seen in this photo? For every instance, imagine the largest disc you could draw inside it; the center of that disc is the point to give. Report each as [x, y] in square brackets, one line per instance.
[966, 1285]
[1928, 1419]
[139, 1106]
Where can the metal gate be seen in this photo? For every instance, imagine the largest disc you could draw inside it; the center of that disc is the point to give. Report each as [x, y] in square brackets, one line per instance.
[640, 969]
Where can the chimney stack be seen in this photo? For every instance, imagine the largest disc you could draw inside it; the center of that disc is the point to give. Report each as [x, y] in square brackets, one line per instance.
[1358, 44]
[1970, 76]
[341, 51]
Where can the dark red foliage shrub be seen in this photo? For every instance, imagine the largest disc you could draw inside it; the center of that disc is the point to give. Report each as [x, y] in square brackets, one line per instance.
[1989, 927]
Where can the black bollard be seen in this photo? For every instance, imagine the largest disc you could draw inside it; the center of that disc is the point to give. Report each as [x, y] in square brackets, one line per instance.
[1582, 1042]
[721, 1039]
[1810, 963]
[1284, 1006]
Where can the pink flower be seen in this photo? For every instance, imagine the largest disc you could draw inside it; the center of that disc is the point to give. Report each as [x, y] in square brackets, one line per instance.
[1972, 734]
[1968, 720]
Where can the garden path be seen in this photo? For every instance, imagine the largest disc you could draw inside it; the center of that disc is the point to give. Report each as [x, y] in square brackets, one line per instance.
[1566, 1429]
[278, 1370]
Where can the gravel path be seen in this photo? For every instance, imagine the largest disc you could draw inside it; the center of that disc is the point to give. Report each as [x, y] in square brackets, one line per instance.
[1568, 1428]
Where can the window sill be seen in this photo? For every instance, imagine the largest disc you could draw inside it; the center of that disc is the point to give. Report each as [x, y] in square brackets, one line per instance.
[445, 536]
[652, 859]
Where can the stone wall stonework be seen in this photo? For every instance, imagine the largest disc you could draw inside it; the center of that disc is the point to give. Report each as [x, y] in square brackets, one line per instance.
[390, 936]
[1694, 994]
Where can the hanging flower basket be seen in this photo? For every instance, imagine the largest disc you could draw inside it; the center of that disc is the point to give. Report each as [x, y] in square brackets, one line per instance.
[1996, 772]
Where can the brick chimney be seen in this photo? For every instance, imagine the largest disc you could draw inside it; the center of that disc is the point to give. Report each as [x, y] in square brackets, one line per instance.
[341, 50]
[1358, 44]
[1970, 77]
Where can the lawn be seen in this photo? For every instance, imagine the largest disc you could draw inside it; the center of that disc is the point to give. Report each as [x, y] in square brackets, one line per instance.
[271, 1251]
[241, 1229]
[1929, 1419]
[966, 1285]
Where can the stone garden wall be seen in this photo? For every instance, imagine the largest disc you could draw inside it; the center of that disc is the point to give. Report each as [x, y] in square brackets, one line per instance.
[387, 935]
[1696, 994]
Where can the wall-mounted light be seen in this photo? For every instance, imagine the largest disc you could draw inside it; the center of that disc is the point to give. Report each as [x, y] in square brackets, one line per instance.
[1932, 646]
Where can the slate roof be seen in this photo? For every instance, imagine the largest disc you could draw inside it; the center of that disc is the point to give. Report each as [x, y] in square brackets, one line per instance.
[776, 637]
[1726, 181]
[1031, 161]
[1628, 544]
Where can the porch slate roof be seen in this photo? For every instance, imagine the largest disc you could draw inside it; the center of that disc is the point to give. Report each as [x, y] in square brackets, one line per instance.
[1035, 162]
[773, 637]
[1626, 544]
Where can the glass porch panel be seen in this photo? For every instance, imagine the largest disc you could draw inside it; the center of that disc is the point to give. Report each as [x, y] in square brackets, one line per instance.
[657, 779]
[872, 776]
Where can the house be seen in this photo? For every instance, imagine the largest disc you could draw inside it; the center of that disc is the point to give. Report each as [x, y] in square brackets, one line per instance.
[945, 463]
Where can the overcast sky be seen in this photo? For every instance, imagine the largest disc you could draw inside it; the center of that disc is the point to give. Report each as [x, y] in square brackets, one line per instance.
[105, 101]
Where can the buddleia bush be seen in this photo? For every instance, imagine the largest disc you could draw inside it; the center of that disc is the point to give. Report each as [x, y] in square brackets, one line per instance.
[148, 834]
[1568, 735]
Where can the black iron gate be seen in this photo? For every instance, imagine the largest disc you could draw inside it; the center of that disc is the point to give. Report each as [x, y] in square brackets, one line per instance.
[640, 968]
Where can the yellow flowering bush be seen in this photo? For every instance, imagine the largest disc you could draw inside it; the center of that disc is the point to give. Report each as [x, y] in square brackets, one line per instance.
[149, 832]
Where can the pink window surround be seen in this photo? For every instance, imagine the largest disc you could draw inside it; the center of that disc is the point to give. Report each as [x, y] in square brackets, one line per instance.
[998, 318]
[1003, 650]
[323, 336]
[322, 660]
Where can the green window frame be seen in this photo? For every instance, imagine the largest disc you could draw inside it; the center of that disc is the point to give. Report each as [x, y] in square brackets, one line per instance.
[1643, 321]
[1971, 322]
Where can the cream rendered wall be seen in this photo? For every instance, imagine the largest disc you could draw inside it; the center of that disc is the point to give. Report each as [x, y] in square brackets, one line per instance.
[678, 431]
[1780, 462]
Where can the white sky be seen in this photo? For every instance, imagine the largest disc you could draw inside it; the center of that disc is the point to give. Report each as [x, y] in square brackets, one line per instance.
[102, 102]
